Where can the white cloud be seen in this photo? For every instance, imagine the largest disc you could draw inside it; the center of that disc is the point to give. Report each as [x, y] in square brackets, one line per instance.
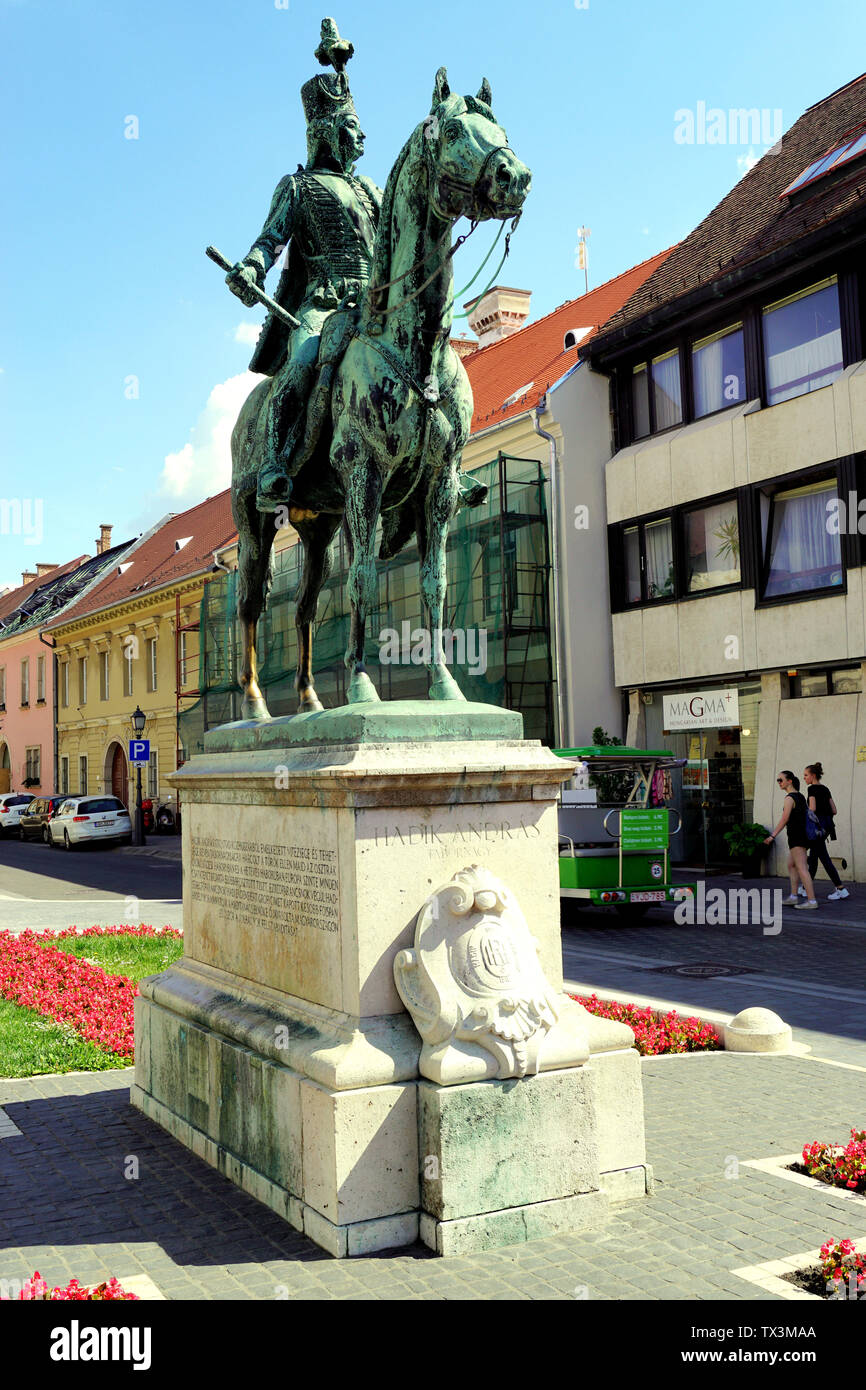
[248, 333]
[204, 465]
[745, 162]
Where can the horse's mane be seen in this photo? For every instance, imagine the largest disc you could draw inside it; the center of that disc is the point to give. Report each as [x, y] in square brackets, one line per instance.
[381, 267]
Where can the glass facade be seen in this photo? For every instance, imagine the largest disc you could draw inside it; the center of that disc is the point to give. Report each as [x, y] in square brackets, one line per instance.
[716, 788]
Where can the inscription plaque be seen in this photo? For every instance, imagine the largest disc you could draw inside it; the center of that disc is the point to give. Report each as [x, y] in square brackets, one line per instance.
[283, 888]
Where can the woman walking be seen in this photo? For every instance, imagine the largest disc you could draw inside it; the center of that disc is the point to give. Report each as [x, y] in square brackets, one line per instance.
[822, 803]
[794, 819]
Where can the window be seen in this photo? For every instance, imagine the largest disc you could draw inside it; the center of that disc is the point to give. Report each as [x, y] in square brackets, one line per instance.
[2, 687]
[712, 546]
[631, 546]
[183, 660]
[656, 395]
[719, 370]
[82, 775]
[666, 390]
[659, 558]
[64, 685]
[82, 680]
[844, 680]
[25, 681]
[800, 554]
[151, 663]
[640, 401]
[104, 674]
[128, 651]
[850, 148]
[802, 342]
[648, 561]
[153, 775]
[64, 775]
[33, 765]
[40, 680]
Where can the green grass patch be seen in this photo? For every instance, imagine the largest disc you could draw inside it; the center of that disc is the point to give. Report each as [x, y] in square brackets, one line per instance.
[31, 1044]
[132, 956]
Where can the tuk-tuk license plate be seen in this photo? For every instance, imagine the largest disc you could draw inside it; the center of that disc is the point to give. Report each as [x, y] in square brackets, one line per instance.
[654, 897]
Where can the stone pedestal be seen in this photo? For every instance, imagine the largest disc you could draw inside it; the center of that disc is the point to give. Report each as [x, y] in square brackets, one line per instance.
[278, 1048]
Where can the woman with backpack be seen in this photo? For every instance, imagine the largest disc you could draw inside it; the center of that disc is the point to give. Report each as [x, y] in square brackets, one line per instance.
[794, 819]
[822, 803]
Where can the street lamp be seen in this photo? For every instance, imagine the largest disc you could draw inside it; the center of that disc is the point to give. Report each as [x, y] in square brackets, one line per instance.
[139, 719]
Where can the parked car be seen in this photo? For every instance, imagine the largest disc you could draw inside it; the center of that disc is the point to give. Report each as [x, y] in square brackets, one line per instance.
[11, 806]
[33, 821]
[83, 819]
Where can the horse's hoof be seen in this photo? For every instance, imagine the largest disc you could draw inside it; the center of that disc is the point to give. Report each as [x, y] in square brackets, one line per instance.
[445, 687]
[361, 690]
[309, 703]
[254, 708]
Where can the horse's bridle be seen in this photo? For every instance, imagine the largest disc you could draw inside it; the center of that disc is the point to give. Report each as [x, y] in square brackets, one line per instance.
[446, 182]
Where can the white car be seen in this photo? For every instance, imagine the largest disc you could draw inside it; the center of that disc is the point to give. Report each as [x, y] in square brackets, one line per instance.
[83, 819]
[11, 806]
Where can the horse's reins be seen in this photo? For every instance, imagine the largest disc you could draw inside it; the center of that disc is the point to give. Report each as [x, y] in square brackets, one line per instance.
[462, 186]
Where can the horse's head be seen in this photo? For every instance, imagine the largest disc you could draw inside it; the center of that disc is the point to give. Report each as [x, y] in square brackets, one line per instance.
[474, 173]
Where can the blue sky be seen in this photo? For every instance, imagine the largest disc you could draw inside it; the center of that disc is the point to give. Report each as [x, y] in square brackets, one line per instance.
[122, 354]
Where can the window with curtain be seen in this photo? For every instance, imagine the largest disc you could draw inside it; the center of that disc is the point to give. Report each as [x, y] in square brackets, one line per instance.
[802, 342]
[719, 370]
[658, 539]
[712, 538]
[667, 393]
[25, 681]
[640, 401]
[800, 553]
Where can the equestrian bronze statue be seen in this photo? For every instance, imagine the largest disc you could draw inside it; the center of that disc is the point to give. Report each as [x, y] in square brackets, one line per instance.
[366, 407]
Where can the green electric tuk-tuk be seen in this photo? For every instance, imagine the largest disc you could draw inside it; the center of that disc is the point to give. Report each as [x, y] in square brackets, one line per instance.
[614, 845]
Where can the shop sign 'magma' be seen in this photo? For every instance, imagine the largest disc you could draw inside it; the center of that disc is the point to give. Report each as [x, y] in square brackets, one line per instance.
[701, 709]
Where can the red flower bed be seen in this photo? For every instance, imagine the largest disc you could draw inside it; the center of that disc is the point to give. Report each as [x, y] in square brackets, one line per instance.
[841, 1265]
[655, 1034]
[837, 1166]
[97, 1005]
[36, 1289]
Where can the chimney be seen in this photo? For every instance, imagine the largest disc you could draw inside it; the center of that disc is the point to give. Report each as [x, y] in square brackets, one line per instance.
[464, 346]
[27, 576]
[498, 313]
[44, 569]
[104, 542]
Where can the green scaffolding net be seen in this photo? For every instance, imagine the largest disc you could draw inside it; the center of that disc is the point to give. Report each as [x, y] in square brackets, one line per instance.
[497, 614]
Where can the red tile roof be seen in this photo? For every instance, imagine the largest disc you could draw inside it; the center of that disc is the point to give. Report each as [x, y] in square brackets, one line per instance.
[534, 357]
[752, 221]
[155, 561]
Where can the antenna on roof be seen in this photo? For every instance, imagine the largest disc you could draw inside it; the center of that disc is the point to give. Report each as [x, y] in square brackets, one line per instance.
[582, 261]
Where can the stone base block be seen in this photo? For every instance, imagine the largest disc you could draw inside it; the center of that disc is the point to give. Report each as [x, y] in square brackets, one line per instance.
[492, 1146]
[618, 1100]
[340, 1165]
[468, 1235]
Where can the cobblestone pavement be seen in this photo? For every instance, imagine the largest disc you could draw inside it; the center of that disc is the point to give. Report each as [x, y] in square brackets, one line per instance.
[812, 973]
[67, 1209]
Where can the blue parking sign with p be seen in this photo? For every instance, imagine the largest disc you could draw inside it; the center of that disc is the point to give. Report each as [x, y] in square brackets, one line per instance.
[139, 750]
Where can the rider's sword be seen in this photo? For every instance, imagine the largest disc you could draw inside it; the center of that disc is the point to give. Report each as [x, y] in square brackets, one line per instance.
[276, 309]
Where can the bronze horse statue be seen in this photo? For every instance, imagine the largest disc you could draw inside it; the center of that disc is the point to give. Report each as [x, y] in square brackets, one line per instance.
[391, 411]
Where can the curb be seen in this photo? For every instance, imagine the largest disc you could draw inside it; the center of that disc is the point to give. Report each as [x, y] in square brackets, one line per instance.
[659, 1007]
